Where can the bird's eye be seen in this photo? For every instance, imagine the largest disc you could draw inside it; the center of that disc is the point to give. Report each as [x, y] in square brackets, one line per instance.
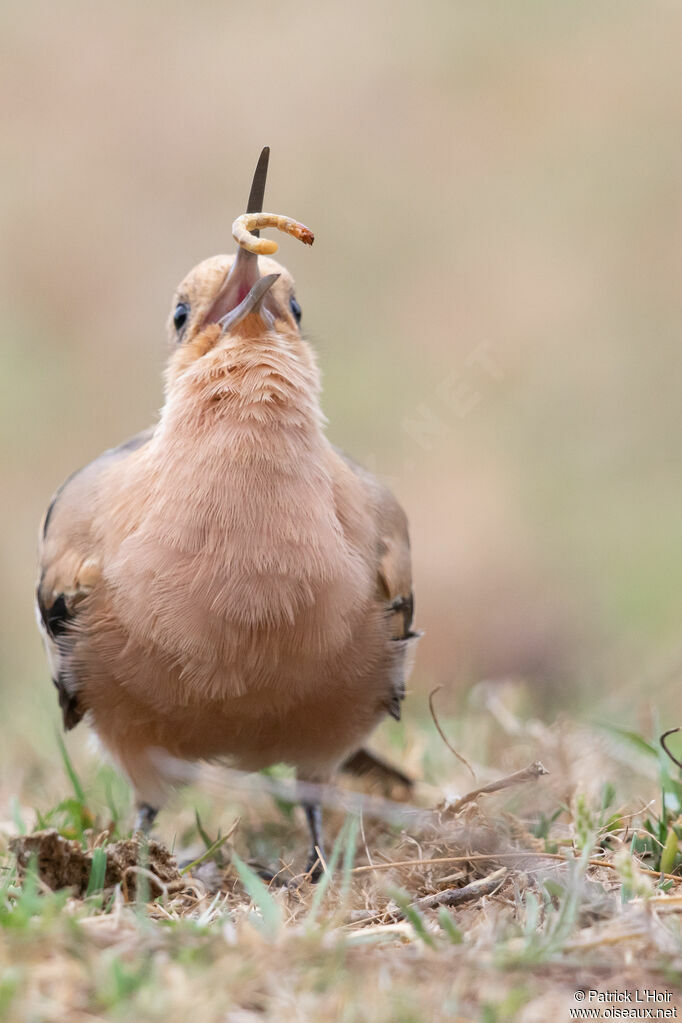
[180, 315]
[295, 309]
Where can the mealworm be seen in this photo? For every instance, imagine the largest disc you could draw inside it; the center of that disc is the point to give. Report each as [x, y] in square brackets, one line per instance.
[248, 222]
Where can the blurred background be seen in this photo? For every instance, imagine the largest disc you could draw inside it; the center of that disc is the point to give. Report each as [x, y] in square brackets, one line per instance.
[494, 297]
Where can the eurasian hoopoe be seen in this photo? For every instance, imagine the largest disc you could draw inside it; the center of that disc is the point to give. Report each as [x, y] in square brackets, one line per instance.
[227, 584]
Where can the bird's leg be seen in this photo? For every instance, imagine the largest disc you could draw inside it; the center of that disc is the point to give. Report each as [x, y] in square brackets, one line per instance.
[145, 817]
[313, 815]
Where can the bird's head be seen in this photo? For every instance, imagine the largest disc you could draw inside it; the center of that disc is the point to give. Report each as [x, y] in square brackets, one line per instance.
[231, 303]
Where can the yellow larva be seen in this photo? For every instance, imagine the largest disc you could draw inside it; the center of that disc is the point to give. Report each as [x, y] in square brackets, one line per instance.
[248, 222]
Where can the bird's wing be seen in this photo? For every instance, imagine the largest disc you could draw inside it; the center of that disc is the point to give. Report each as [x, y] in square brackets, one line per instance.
[394, 564]
[69, 569]
[393, 578]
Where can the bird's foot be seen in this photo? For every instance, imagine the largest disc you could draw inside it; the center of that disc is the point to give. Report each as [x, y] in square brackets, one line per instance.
[316, 865]
[314, 868]
[144, 818]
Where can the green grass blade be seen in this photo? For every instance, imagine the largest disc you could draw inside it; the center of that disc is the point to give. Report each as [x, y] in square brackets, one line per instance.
[349, 855]
[211, 849]
[669, 854]
[70, 770]
[270, 913]
[629, 738]
[97, 871]
[203, 834]
[412, 915]
[448, 925]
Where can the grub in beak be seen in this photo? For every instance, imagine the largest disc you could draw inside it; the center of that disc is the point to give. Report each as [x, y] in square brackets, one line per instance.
[245, 230]
[241, 293]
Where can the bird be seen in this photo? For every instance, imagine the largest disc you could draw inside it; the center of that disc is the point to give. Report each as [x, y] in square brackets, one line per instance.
[228, 585]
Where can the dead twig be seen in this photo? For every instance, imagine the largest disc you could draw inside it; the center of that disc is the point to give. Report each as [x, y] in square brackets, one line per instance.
[444, 737]
[531, 773]
[671, 731]
[154, 879]
[467, 893]
[446, 897]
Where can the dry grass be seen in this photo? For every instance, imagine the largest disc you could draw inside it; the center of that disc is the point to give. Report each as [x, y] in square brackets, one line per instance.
[491, 909]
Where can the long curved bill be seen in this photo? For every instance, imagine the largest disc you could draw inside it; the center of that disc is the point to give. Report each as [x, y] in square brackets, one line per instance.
[243, 290]
[257, 193]
[243, 276]
[246, 262]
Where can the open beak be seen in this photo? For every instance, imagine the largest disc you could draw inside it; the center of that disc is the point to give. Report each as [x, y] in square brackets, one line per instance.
[250, 304]
[243, 290]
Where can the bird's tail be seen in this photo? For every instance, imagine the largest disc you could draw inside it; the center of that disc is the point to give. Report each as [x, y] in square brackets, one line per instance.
[365, 764]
